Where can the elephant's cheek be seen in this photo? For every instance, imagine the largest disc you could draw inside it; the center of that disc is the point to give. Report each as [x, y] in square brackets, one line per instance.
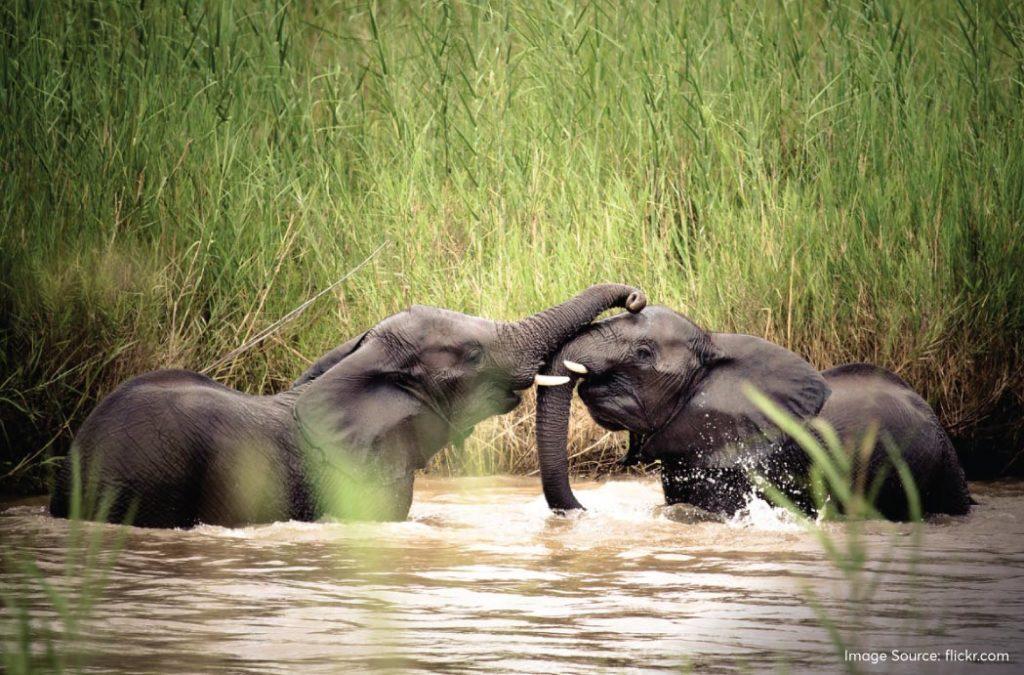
[509, 402]
[605, 414]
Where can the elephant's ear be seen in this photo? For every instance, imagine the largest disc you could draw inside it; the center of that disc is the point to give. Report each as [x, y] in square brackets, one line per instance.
[720, 426]
[325, 362]
[357, 417]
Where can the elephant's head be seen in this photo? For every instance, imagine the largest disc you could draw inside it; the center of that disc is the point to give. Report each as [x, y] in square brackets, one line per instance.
[676, 388]
[395, 395]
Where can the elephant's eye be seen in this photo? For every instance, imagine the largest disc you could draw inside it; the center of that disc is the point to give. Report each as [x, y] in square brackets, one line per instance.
[644, 354]
[474, 355]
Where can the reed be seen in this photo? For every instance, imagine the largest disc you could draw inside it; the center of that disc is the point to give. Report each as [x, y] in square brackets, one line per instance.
[843, 501]
[47, 635]
[845, 178]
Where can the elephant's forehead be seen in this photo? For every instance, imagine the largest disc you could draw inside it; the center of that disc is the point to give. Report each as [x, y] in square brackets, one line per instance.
[669, 325]
[421, 321]
[656, 322]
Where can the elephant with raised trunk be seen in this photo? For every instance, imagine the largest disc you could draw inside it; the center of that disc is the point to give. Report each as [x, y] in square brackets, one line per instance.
[175, 448]
[680, 393]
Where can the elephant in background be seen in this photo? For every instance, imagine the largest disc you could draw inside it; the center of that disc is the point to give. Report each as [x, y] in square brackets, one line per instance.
[176, 448]
[679, 391]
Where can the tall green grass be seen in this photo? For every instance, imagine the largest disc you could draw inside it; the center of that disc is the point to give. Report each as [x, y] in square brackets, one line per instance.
[846, 178]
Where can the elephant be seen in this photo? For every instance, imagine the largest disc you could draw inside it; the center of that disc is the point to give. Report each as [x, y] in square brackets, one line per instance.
[176, 448]
[679, 391]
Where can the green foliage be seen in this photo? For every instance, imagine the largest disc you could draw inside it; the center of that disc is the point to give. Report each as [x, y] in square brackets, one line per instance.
[846, 178]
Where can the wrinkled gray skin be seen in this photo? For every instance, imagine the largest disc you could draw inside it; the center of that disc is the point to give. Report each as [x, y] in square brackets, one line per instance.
[678, 390]
[177, 448]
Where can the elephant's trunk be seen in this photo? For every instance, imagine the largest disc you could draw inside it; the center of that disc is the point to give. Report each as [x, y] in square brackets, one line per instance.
[532, 340]
[553, 406]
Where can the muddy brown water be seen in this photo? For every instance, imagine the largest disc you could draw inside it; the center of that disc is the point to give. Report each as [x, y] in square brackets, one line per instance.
[483, 578]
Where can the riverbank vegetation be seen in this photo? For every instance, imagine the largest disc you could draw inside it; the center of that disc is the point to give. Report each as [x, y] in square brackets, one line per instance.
[844, 178]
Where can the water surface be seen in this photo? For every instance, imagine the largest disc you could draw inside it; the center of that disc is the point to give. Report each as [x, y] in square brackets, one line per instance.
[483, 578]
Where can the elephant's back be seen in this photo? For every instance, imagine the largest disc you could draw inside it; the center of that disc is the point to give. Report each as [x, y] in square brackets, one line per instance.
[864, 395]
[172, 377]
[165, 404]
[864, 371]
[170, 387]
[159, 442]
[862, 392]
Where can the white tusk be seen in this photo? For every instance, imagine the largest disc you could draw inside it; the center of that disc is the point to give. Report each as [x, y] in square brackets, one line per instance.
[576, 367]
[549, 380]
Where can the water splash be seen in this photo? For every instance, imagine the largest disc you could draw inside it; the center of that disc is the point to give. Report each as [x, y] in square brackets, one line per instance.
[759, 514]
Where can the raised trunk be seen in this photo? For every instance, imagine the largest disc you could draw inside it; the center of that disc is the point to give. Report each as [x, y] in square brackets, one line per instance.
[532, 340]
[553, 406]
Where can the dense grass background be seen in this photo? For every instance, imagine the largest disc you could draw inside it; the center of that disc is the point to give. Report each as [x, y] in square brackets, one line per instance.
[846, 178]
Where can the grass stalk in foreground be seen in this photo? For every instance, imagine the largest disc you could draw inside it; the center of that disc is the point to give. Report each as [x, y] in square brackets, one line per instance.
[47, 639]
[843, 502]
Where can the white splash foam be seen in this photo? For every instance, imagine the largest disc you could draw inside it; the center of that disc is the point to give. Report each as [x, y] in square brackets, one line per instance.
[758, 514]
[629, 500]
